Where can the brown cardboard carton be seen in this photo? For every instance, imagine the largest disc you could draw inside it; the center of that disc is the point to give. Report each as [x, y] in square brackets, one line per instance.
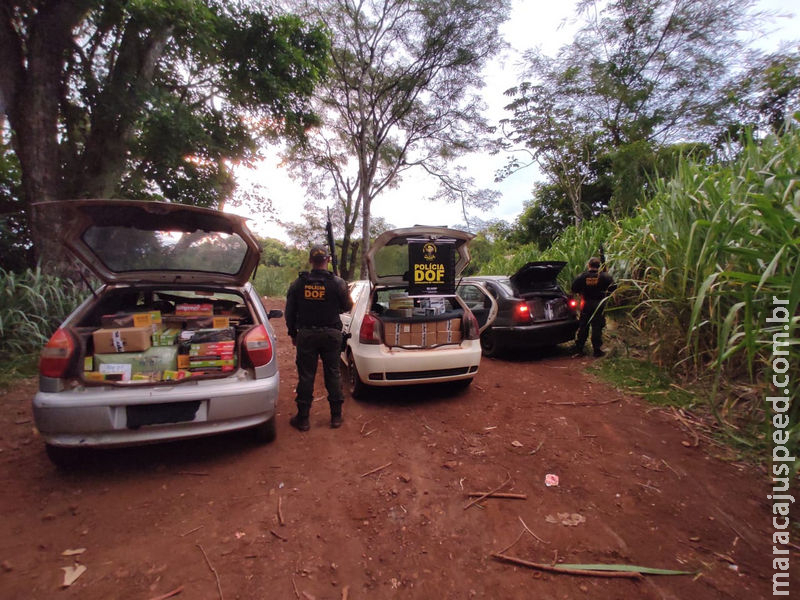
[397, 334]
[448, 331]
[126, 339]
[131, 319]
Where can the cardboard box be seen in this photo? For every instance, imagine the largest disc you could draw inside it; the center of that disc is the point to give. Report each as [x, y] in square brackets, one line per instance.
[166, 337]
[227, 362]
[153, 360]
[126, 339]
[131, 319]
[448, 331]
[193, 323]
[175, 375]
[194, 310]
[220, 349]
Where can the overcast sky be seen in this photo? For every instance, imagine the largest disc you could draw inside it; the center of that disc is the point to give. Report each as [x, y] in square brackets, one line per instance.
[532, 24]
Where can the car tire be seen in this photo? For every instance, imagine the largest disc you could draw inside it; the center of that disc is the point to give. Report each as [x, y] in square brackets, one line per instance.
[489, 343]
[355, 386]
[64, 458]
[266, 432]
[461, 384]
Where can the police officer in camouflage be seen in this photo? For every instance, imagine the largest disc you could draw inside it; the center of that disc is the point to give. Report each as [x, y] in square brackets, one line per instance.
[594, 286]
[313, 305]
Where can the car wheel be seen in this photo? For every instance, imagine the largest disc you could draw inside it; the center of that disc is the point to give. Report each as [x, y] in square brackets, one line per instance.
[355, 386]
[64, 458]
[265, 433]
[489, 343]
[461, 384]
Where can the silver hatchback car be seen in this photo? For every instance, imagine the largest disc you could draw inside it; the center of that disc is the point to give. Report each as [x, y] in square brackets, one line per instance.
[175, 343]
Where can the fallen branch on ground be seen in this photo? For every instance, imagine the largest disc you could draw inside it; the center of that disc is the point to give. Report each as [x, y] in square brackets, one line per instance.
[376, 469]
[174, 592]
[280, 512]
[213, 570]
[497, 495]
[583, 403]
[280, 537]
[487, 494]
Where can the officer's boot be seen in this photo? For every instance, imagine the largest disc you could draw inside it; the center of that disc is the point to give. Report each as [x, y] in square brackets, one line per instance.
[336, 415]
[300, 420]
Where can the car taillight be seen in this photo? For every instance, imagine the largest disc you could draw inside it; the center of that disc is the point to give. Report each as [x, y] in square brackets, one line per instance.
[522, 313]
[369, 333]
[573, 304]
[473, 329]
[57, 355]
[257, 346]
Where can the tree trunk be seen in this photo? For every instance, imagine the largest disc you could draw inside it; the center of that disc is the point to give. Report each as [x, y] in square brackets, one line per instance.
[31, 91]
[116, 112]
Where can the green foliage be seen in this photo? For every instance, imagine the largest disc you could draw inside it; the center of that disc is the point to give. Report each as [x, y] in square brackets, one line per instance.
[17, 366]
[15, 244]
[274, 282]
[645, 379]
[151, 100]
[32, 305]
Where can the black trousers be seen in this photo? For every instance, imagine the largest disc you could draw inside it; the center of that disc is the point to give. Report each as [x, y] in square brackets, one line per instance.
[591, 316]
[313, 344]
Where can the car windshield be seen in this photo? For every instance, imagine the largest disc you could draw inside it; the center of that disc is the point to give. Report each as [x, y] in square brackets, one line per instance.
[125, 249]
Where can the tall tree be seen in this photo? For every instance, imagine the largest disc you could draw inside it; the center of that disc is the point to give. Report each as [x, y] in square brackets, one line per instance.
[150, 98]
[639, 74]
[400, 95]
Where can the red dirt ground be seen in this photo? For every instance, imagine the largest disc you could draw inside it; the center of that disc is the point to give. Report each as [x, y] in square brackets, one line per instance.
[178, 516]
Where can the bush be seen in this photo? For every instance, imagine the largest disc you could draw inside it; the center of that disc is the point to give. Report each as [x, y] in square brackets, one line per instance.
[32, 305]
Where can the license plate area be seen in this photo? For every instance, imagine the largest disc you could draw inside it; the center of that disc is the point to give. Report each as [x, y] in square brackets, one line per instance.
[140, 415]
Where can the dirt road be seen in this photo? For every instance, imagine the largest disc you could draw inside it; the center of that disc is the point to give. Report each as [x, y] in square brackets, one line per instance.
[376, 509]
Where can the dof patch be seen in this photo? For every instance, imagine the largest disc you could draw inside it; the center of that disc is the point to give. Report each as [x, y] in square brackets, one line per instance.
[314, 291]
[592, 280]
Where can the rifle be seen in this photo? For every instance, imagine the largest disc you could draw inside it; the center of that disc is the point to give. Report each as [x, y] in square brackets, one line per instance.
[331, 244]
[603, 266]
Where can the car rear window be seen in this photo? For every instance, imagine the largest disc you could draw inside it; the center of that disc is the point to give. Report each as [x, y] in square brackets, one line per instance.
[124, 249]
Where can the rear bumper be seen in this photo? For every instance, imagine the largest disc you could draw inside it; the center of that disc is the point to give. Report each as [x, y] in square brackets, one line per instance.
[98, 416]
[537, 335]
[379, 365]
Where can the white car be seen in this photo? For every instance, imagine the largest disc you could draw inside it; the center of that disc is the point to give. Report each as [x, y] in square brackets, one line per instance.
[175, 343]
[402, 331]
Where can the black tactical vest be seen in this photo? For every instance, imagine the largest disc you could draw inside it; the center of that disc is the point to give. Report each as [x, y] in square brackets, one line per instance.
[318, 303]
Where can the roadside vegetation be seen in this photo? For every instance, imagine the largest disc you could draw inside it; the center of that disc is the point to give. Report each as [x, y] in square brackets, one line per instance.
[699, 265]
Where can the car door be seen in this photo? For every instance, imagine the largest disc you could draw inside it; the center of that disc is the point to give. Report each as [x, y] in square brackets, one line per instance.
[479, 301]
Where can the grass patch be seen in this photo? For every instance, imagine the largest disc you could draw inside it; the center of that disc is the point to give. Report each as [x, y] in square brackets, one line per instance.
[651, 382]
[18, 367]
[731, 442]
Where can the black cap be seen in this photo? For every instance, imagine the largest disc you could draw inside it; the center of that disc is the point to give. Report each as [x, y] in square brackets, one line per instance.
[317, 254]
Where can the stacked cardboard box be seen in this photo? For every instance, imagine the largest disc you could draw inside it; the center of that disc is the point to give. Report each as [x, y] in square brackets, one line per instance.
[207, 350]
[148, 346]
[422, 334]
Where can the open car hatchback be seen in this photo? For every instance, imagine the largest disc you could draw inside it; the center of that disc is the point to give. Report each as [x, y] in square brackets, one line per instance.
[175, 343]
[407, 325]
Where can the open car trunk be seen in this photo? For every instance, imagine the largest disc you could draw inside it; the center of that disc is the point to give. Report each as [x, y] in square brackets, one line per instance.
[414, 322]
[152, 335]
[536, 283]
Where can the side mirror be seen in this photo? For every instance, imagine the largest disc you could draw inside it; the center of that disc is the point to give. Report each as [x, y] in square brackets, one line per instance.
[275, 314]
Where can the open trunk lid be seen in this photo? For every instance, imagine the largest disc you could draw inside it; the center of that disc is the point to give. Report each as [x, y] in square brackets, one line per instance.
[135, 241]
[537, 277]
[388, 259]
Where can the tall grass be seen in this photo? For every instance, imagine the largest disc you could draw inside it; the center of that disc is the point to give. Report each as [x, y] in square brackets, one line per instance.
[701, 263]
[32, 305]
[274, 281]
